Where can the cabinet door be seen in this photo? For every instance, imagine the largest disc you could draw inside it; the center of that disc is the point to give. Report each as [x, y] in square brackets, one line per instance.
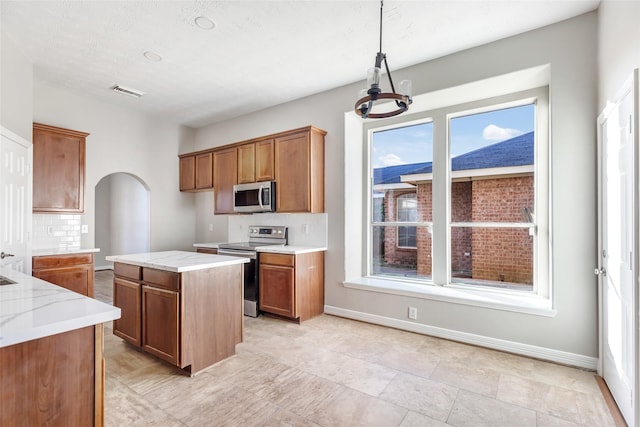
[293, 173]
[58, 169]
[277, 290]
[77, 278]
[160, 323]
[204, 171]
[187, 173]
[225, 170]
[264, 160]
[246, 163]
[126, 296]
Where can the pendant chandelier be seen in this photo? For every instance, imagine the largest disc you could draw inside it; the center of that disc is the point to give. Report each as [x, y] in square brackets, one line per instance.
[372, 94]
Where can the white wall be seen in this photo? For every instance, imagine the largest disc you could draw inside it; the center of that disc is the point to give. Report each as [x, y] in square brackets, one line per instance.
[130, 225]
[122, 140]
[570, 48]
[16, 89]
[618, 46]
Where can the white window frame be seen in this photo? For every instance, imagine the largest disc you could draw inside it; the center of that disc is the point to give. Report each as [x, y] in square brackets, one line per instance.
[535, 88]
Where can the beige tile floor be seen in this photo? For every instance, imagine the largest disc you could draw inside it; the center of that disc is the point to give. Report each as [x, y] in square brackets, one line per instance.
[331, 371]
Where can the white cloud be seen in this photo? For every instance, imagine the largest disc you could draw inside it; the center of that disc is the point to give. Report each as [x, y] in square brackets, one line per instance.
[390, 160]
[496, 133]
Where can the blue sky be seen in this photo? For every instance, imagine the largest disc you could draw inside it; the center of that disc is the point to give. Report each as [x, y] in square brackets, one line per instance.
[414, 144]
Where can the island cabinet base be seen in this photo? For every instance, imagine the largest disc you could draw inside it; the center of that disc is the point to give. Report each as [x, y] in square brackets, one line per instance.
[191, 319]
[56, 380]
[213, 303]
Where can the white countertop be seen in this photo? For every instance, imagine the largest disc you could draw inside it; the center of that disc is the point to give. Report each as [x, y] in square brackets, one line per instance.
[206, 245]
[290, 249]
[177, 261]
[33, 308]
[59, 251]
[276, 249]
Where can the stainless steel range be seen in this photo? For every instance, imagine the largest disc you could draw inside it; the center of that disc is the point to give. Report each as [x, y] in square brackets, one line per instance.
[258, 235]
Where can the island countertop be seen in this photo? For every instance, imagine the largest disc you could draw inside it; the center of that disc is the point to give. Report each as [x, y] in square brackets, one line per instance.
[32, 308]
[177, 261]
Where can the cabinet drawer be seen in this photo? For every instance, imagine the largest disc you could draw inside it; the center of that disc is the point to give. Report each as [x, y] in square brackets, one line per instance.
[161, 279]
[213, 251]
[277, 259]
[61, 260]
[129, 271]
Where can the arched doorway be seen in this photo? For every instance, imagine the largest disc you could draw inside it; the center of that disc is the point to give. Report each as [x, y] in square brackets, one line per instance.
[122, 214]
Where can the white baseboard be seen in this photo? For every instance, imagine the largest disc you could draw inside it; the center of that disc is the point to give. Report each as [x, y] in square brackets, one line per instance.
[558, 356]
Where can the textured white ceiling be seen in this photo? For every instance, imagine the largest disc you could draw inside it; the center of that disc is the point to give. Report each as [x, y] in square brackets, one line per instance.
[261, 53]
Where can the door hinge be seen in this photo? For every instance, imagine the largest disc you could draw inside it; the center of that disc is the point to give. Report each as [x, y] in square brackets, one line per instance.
[600, 271]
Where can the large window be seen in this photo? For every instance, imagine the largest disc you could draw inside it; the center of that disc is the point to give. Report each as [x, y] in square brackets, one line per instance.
[401, 209]
[492, 175]
[488, 162]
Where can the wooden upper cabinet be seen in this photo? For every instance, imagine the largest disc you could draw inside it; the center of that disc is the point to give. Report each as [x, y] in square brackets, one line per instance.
[246, 163]
[188, 173]
[255, 162]
[225, 176]
[58, 169]
[196, 171]
[299, 171]
[204, 171]
[293, 159]
[265, 160]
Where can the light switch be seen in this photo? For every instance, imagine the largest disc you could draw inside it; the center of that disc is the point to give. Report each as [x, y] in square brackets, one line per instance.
[84, 229]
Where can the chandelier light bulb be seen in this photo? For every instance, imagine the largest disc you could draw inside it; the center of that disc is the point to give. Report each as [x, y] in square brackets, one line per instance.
[405, 87]
[373, 77]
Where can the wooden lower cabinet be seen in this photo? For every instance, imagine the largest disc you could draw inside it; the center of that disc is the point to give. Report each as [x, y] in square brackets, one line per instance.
[160, 322]
[56, 380]
[74, 272]
[126, 295]
[212, 251]
[191, 319]
[292, 286]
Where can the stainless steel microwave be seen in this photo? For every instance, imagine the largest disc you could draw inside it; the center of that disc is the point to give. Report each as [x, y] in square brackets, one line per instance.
[255, 197]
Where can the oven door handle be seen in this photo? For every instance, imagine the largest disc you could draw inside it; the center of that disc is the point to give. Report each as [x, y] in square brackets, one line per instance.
[237, 253]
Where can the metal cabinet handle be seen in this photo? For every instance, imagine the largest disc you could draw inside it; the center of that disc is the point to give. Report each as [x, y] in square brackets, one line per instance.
[4, 255]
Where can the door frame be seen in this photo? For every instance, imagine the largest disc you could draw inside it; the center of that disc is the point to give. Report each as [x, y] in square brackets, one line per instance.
[631, 84]
[14, 137]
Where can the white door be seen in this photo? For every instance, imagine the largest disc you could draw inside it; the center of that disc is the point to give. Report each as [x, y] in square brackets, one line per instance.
[618, 245]
[15, 202]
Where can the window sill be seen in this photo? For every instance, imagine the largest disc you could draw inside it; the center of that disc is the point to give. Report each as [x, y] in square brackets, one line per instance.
[507, 301]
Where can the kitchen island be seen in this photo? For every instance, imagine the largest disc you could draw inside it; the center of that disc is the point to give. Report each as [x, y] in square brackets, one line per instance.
[183, 307]
[51, 353]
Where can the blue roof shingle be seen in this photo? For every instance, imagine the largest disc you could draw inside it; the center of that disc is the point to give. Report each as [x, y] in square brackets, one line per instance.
[516, 151]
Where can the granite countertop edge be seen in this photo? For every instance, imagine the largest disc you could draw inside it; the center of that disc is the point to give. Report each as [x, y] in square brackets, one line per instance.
[177, 261]
[61, 251]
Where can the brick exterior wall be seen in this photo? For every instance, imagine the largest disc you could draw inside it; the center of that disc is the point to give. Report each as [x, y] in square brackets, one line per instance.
[500, 254]
[494, 254]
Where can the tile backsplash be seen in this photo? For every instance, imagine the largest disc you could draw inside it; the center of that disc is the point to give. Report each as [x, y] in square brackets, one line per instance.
[304, 229]
[56, 231]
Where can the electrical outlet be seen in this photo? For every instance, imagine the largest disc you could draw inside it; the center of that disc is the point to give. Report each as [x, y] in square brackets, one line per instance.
[50, 229]
[210, 227]
[305, 228]
[413, 313]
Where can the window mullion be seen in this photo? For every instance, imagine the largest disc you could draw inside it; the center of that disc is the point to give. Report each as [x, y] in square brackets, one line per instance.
[441, 197]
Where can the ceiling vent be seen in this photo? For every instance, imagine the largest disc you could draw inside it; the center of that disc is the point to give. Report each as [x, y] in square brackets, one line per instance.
[127, 91]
